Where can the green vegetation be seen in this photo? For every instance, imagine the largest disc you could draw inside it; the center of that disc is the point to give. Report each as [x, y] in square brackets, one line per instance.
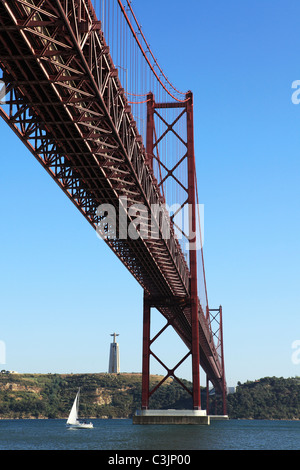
[102, 395]
[267, 398]
[119, 396]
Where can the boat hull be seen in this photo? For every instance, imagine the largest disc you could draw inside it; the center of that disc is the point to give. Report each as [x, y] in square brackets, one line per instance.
[80, 426]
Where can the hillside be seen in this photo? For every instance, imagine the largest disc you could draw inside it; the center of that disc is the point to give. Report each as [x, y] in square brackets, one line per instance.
[267, 398]
[119, 396]
[102, 395]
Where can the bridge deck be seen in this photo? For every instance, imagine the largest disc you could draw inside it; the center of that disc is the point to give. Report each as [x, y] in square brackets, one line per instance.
[69, 108]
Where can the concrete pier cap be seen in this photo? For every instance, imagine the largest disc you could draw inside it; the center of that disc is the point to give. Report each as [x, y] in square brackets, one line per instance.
[171, 417]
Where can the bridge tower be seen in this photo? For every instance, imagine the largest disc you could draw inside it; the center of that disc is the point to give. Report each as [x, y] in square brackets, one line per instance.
[64, 99]
[192, 301]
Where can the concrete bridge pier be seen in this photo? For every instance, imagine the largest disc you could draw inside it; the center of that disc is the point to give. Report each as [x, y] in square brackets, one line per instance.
[171, 417]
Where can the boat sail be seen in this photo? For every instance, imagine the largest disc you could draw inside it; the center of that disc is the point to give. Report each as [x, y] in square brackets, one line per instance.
[73, 421]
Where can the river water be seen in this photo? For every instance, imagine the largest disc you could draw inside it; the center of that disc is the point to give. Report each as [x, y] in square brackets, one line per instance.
[123, 435]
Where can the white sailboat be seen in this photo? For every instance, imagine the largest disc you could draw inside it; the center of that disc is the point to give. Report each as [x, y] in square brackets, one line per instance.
[73, 421]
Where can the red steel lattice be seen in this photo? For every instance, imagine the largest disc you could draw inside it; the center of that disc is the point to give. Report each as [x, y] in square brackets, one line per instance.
[65, 101]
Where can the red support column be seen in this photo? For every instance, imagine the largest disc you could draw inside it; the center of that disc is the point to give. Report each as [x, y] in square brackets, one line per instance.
[207, 395]
[223, 365]
[147, 308]
[146, 355]
[193, 253]
[150, 129]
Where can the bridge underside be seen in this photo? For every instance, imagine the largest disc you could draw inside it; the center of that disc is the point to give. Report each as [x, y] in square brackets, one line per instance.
[66, 103]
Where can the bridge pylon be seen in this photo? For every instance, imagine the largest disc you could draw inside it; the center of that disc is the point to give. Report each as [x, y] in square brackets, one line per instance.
[191, 300]
[63, 98]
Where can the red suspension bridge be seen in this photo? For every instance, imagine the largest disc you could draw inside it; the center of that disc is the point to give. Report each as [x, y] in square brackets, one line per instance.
[84, 92]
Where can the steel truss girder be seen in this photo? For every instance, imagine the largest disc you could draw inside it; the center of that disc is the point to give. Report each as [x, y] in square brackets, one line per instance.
[88, 89]
[66, 103]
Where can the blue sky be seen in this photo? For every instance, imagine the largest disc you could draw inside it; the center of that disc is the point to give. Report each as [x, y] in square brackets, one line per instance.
[62, 291]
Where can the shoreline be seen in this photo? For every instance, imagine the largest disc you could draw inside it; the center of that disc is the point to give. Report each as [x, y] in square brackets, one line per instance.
[130, 418]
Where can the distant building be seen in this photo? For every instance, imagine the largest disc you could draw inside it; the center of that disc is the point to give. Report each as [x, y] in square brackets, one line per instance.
[231, 390]
[114, 357]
